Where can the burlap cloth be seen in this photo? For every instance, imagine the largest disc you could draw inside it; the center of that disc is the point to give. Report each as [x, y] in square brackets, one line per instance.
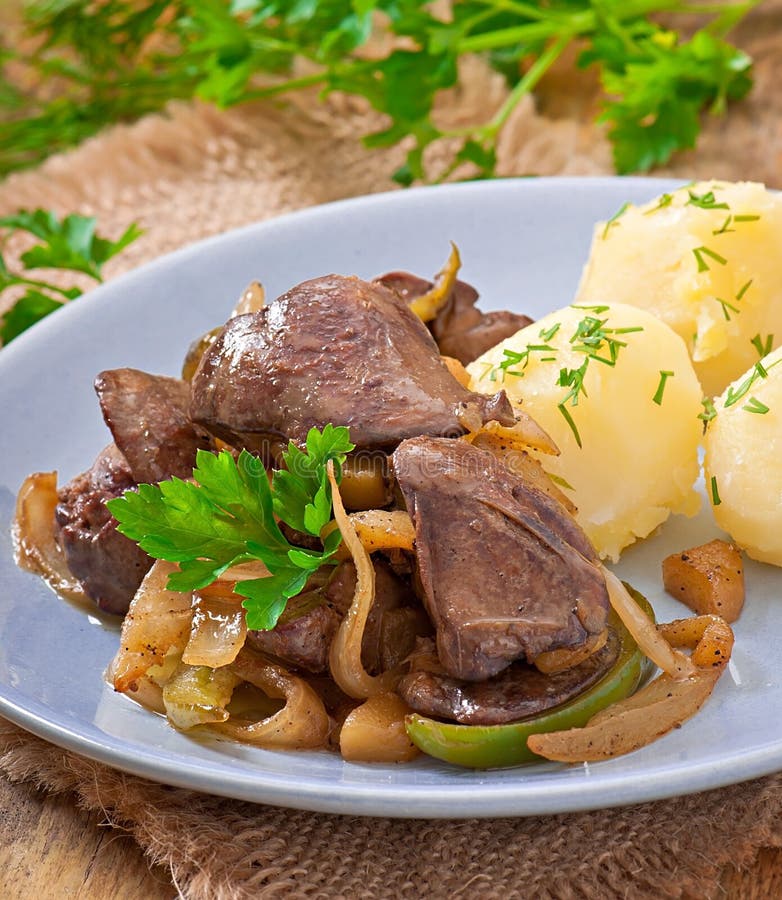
[196, 172]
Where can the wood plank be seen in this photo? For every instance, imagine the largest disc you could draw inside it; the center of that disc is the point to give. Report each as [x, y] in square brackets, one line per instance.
[49, 848]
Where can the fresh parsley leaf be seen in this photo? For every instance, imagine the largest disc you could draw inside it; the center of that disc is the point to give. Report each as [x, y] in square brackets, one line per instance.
[117, 60]
[657, 94]
[71, 243]
[30, 308]
[228, 515]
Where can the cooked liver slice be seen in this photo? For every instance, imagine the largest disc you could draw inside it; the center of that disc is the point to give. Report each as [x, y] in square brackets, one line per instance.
[460, 328]
[335, 349]
[303, 636]
[150, 420]
[506, 572]
[516, 693]
[109, 565]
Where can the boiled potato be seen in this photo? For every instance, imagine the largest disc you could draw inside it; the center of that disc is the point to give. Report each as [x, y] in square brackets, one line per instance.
[626, 460]
[707, 260]
[742, 463]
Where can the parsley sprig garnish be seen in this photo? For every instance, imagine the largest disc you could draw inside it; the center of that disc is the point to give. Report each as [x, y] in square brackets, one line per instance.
[120, 59]
[228, 515]
[71, 243]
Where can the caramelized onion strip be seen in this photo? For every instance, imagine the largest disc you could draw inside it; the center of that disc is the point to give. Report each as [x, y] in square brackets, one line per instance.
[553, 661]
[382, 529]
[33, 533]
[157, 623]
[709, 637]
[659, 707]
[429, 304]
[645, 632]
[218, 629]
[252, 300]
[302, 723]
[345, 653]
[656, 709]
[457, 370]
[525, 434]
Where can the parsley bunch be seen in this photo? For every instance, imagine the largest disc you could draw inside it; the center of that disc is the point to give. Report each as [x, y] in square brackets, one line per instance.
[119, 59]
[229, 515]
[71, 243]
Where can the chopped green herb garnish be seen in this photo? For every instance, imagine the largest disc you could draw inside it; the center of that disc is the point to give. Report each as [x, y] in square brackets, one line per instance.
[562, 407]
[736, 394]
[724, 229]
[754, 405]
[705, 201]
[750, 218]
[615, 218]
[727, 308]
[763, 345]
[658, 396]
[548, 333]
[595, 309]
[744, 289]
[229, 516]
[700, 252]
[591, 337]
[515, 362]
[709, 411]
[665, 200]
[715, 494]
[560, 481]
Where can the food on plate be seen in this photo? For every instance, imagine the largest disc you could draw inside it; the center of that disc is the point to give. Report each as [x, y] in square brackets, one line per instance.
[448, 307]
[656, 708]
[741, 466]
[615, 389]
[709, 579]
[705, 259]
[320, 537]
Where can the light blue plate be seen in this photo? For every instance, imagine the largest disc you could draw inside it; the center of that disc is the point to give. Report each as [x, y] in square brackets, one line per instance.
[523, 243]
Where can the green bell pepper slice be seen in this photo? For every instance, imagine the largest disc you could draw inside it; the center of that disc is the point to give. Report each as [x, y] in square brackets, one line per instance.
[494, 746]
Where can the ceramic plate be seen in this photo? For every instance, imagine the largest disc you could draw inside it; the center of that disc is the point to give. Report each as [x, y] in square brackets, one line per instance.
[523, 243]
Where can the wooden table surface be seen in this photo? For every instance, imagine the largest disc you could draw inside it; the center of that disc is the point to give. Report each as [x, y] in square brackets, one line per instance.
[51, 849]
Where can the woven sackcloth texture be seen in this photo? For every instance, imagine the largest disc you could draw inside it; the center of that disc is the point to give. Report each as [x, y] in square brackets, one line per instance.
[197, 171]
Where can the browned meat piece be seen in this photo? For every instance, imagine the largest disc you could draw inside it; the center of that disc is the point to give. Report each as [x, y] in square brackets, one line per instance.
[303, 637]
[517, 692]
[393, 624]
[505, 570]
[334, 349]
[109, 565]
[149, 418]
[460, 328]
[306, 629]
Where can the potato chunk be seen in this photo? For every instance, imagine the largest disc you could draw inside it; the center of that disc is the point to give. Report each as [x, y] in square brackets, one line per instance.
[615, 390]
[743, 448]
[709, 579]
[705, 259]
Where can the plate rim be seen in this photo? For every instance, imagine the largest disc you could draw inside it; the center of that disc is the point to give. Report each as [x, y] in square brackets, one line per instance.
[500, 799]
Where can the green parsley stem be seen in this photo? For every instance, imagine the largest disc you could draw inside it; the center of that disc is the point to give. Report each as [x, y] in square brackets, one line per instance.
[577, 23]
[532, 76]
[32, 282]
[291, 84]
